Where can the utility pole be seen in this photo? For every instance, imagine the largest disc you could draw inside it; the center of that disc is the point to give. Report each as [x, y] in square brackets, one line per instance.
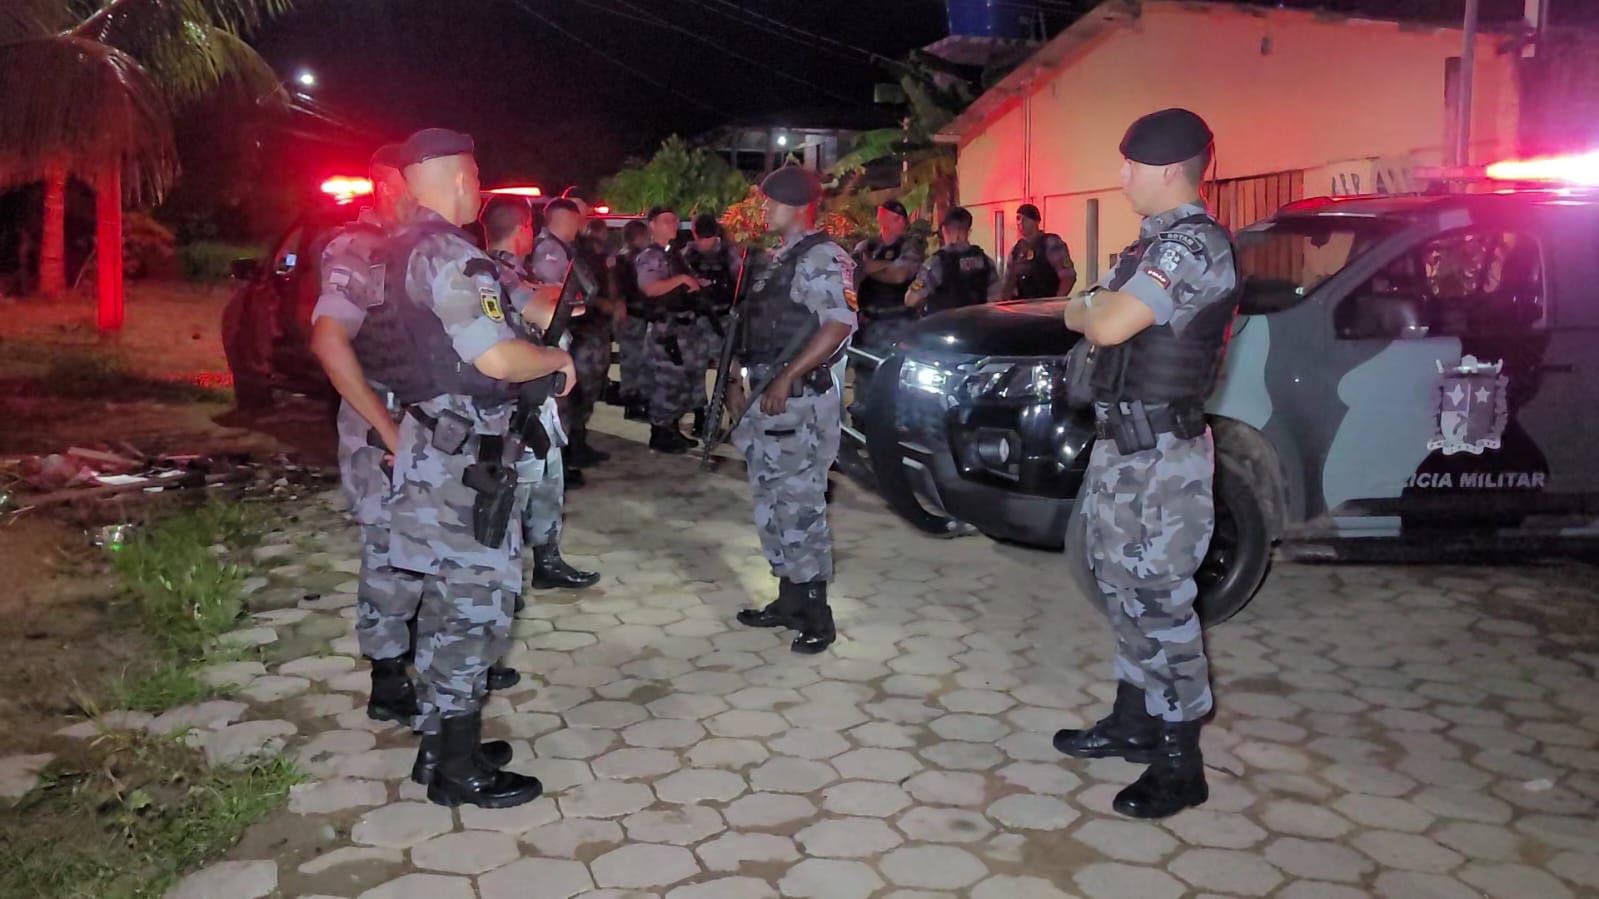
[1468, 60]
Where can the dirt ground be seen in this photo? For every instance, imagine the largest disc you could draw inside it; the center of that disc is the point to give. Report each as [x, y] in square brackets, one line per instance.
[55, 605]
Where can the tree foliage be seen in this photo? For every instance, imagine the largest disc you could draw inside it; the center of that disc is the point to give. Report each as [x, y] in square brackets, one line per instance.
[689, 180]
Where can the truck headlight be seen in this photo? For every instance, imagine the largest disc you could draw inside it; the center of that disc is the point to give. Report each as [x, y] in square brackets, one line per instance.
[1017, 382]
[923, 377]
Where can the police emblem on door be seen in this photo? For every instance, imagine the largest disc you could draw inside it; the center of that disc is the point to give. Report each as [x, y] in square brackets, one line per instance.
[1471, 407]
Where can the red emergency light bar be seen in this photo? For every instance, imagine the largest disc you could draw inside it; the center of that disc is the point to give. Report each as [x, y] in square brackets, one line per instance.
[528, 191]
[346, 189]
[1581, 170]
[602, 210]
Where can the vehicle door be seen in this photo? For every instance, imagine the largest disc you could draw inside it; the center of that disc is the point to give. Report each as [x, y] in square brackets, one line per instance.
[1438, 353]
[1561, 414]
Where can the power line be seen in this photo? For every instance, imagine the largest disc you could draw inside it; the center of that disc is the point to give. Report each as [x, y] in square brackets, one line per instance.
[659, 22]
[638, 73]
[779, 28]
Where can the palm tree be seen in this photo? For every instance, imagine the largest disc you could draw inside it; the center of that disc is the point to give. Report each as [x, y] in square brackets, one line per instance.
[87, 89]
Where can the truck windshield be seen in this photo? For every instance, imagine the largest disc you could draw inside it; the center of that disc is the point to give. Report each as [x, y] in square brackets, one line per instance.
[1283, 261]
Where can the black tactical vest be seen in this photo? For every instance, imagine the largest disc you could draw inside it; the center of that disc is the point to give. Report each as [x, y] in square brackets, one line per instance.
[677, 299]
[627, 282]
[717, 268]
[874, 295]
[404, 346]
[1036, 278]
[1160, 365]
[773, 317]
[965, 282]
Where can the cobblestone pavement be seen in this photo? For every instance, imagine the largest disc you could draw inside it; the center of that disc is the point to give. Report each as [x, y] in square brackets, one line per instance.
[1417, 733]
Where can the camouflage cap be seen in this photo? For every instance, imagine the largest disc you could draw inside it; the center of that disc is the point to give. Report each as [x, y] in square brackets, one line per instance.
[1166, 137]
[434, 143]
[793, 185]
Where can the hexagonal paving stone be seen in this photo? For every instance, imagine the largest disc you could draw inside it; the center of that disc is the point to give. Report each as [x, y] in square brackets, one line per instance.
[848, 838]
[1405, 851]
[518, 820]
[730, 851]
[864, 798]
[700, 785]
[1111, 880]
[890, 765]
[944, 825]
[726, 888]
[605, 714]
[1317, 860]
[933, 867]
[726, 752]
[826, 878]
[790, 775]
[236, 880]
[567, 838]
[746, 723]
[961, 756]
[680, 826]
[605, 799]
[768, 810]
[575, 743]
[640, 865]
[1007, 887]
[1244, 873]
[1130, 841]
[1026, 812]
[1221, 830]
[402, 825]
[946, 788]
[1303, 819]
[536, 878]
[468, 852]
[1377, 811]
[664, 733]
[809, 743]
[634, 763]
[1513, 881]
[1411, 885]
[970, 728]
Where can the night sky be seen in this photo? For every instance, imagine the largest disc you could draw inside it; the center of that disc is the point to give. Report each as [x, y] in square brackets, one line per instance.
[545, 108]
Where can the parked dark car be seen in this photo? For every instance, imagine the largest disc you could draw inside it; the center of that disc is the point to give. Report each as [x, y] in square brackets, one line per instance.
[1410, 376]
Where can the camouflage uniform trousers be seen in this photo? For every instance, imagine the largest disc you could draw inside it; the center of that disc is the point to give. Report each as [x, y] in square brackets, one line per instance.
[1148, 518]
[387, 599]
[591, 356]
[878, 337]
[631, 340]
[788, 457]
[541, 487]
[670, 384]
[468, 589]
[706, 353]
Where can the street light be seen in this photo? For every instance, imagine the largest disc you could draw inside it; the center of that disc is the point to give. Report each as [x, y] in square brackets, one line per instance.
[306, 79]
[782, 140]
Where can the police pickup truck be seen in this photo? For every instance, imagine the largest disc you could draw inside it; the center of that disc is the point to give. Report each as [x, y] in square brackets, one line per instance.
[1409, 375]
[266, 326]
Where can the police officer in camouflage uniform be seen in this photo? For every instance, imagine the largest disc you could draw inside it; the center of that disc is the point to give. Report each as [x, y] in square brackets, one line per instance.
[668, 288]
[352, 282]
[445, 347]
[592, 333]
[634, 328]
[790, 435]
[716, 263]
[885, 266]
[1040, 265]
[552, 257]
[1158, 324]
[959, 274]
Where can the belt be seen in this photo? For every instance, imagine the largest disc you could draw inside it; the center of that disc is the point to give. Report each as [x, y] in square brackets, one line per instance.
[1162, 420]
[889, 312]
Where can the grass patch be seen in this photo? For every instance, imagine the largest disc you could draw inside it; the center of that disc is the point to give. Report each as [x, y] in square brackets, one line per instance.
[184, 594]
[127, 814]
[80, 375]
[168, 686]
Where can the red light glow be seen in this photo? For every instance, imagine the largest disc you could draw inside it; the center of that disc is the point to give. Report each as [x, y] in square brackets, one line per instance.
[346, 189]
[602, 210]
[1571, 170]
[527, 191]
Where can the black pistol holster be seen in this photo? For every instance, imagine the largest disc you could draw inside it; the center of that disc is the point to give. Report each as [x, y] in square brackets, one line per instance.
[495, 485]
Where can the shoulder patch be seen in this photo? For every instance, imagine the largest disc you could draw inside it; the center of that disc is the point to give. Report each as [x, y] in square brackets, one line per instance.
[1189, 241]
[489, 297]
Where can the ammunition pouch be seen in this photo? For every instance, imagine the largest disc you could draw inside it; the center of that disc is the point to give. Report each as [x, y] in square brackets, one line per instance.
[525, 421]
[450, 430]
[495, 485]
[1134, 427]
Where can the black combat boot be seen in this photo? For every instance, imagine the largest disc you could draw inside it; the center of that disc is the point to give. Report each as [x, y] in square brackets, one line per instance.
[1175, 778]
[636, 410]
[781, 612]
[551, 572]
[668, 440]
[612, 395]
[572, 478]
[462, 775]
[816, 621]
[581, 454]
[1128, 732]
[501, 677]
[518, 605]
[393, 698]
[699, 422]
[495, 754]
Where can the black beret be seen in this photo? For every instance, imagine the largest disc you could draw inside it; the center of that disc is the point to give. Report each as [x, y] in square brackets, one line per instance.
[389, 156]
[562, 204]
[793, 185]
[897, 208]
[1166, 137]
[433, 143]
[1029, 211]
[958, 216]
[706, 225]
[656, 212]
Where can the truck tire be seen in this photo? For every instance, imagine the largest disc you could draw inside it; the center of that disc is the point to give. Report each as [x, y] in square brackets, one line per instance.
[1240, 551]
[242, 344]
